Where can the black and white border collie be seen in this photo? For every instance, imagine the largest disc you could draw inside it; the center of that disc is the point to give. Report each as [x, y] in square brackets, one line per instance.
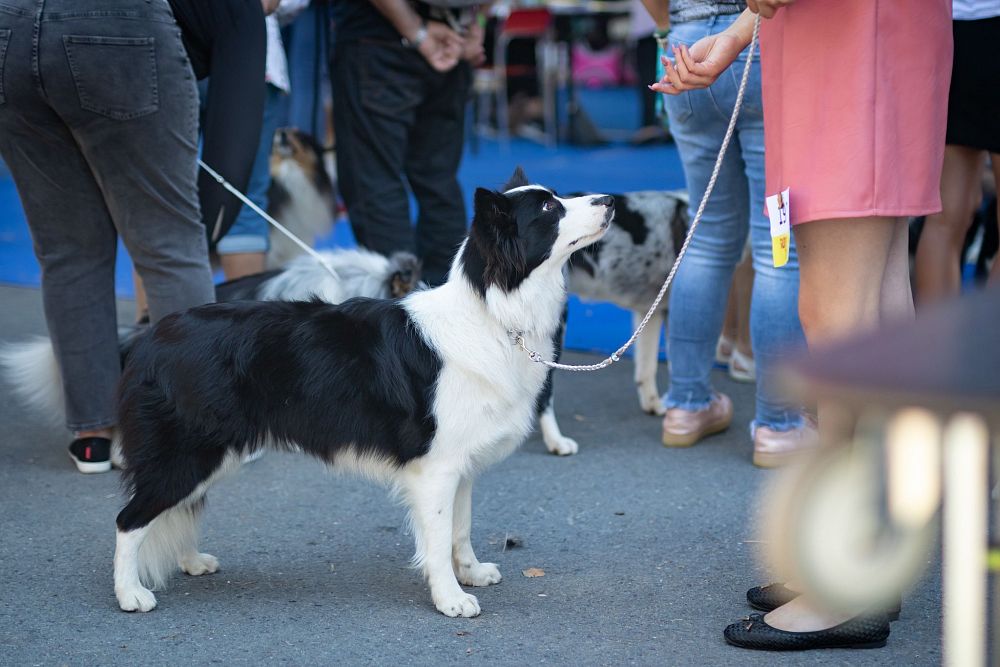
[420, 393]
[32, 372]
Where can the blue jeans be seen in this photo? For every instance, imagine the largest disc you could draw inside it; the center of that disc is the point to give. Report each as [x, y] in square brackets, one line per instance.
[698, 121]
[249, 232]
[308, 55]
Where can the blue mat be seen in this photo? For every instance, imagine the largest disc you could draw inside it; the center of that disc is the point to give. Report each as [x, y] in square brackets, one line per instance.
[615, 168]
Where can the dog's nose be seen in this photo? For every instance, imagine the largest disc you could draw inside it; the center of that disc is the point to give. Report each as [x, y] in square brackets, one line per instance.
[606, 200]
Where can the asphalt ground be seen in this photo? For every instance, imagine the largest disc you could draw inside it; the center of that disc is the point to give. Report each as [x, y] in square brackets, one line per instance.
[647, 553]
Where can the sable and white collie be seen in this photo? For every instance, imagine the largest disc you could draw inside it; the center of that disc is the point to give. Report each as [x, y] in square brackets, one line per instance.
[420, 393]
[302, 195]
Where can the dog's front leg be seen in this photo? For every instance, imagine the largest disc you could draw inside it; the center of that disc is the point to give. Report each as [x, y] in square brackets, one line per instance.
[468, 569]
[431, 494]
[646, 353]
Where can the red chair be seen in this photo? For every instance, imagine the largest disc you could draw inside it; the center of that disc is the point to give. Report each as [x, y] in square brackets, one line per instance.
[533, 24]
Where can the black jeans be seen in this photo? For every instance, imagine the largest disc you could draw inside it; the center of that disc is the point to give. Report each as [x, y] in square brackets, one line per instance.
[99, 126]
[395, 116]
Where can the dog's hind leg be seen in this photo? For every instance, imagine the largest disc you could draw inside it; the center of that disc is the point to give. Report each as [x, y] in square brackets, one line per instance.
[646, 354]
[191, 561]
[430, 492]
[158, 528]
[468, 569]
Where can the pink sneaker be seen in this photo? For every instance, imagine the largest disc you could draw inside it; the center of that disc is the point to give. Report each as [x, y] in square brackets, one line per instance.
[772, 449]
[683, 428]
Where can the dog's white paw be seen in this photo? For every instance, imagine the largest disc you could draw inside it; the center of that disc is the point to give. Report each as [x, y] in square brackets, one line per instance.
[480, 574]
[199, 564]
[462, 604]
[135, 598]
[561, 445]
[649, 400]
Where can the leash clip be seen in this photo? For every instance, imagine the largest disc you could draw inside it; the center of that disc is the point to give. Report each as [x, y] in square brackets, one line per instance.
[517, 340]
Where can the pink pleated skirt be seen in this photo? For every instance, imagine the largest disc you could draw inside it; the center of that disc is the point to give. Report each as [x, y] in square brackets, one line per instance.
[855, 106]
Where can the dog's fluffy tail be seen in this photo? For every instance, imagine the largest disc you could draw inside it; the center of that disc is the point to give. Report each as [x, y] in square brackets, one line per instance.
[172, 536]
[30, 368]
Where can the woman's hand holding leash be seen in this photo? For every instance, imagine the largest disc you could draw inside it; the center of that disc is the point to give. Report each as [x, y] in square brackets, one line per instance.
[700, 65]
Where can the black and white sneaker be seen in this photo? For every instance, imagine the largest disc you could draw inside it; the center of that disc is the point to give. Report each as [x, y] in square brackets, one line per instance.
[91, 454]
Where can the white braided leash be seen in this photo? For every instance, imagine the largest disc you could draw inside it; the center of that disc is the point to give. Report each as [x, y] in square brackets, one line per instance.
[517, 337]
[262, 213]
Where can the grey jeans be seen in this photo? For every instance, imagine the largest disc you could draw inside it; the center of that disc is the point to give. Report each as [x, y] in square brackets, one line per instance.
[98, 124]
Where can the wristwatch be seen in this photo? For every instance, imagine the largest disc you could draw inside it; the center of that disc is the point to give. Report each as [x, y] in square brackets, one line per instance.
[417, 40]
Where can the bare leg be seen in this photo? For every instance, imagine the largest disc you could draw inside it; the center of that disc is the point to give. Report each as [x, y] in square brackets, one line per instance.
[646, 356]
[730, 325]
[843, 265]
[141, 303]
[802, 615]
[237, 265]
[431, 491]
[896, 299]
[937, 267]
[468, 569]
[98, 433]
[739, 297]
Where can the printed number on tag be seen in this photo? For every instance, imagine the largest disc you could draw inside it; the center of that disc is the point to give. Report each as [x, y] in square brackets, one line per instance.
[781, 229]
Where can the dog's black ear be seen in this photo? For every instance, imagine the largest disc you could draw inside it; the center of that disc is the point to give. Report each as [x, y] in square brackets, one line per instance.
[491, 210]
[517, 180]
[498, 251]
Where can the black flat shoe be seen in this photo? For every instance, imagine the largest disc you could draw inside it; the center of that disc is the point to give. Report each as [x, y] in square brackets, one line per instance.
[772, 596]
[865, 631]
[91, 455]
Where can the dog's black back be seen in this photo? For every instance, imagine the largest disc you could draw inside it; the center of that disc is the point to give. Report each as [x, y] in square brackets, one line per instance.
[259, 371]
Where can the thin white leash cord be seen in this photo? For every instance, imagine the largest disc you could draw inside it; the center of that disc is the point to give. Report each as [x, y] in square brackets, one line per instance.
[517, 337]
[262, 213]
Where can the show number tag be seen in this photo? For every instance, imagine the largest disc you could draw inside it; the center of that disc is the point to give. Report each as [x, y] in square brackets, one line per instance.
[781, 230]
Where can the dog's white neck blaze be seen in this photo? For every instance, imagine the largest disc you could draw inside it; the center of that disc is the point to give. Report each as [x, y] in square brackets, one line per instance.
[537, 300]
[535, 306]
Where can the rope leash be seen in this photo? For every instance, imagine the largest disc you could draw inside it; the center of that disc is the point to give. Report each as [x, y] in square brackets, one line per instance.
[262, 213]
[517, 337]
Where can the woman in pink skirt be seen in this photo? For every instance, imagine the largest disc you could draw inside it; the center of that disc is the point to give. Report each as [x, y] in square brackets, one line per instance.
[855, 105]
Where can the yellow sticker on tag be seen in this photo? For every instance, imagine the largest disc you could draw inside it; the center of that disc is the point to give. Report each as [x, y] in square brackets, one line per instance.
[779, 249]
[779, 211]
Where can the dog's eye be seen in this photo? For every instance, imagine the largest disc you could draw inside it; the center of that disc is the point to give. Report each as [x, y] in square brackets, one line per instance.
[549, 205]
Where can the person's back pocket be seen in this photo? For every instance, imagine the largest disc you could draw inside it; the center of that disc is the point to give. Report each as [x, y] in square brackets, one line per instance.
[114, 76]
[4, 41]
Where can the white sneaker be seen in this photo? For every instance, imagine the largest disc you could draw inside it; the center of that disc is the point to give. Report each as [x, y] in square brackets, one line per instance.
[741, 367]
